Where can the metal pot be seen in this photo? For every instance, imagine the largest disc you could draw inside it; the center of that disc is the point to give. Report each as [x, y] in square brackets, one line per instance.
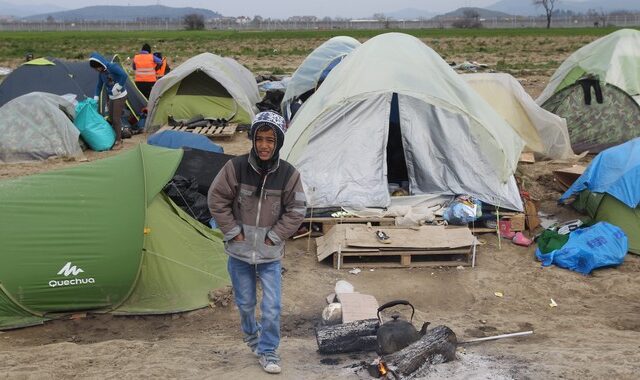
[396, 334]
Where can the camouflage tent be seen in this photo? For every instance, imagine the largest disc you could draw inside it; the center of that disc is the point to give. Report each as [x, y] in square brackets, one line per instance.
[597, 89]
[596, 126]
[38, 126]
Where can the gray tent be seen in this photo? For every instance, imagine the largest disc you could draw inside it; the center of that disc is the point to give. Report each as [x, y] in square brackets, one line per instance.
[393, 111]
[37, 126]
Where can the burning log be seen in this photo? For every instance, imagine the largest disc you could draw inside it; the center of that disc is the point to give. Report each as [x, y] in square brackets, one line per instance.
[348, 337]
[437, 346]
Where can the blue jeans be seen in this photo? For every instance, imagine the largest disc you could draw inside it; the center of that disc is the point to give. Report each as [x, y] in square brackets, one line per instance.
[243, 278]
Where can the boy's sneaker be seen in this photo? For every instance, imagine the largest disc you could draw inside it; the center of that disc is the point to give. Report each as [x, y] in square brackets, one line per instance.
[270, 362]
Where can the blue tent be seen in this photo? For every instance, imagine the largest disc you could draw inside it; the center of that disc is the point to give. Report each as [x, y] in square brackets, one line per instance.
[615, 171]
[177, 139]
[609, 190]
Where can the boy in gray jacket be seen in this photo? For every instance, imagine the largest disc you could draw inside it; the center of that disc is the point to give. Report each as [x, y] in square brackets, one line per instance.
[258, 202]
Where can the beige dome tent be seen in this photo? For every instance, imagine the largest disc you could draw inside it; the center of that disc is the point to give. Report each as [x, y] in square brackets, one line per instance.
[447, 139]
[542, 131]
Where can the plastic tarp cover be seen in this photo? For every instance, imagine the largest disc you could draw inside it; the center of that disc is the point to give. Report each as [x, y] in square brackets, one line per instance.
[542, 131]
[396, 63]
[601, 245]
[37, 126]
[614, 59]
[178, 139]
[614, 171]
[353, 174]
[445, 156]
[306, 76]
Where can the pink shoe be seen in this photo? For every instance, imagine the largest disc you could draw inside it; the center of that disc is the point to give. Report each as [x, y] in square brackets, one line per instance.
[520, 239]
[505, 229]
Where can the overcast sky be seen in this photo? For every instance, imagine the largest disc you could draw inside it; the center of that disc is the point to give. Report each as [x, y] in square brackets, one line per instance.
[286, 8]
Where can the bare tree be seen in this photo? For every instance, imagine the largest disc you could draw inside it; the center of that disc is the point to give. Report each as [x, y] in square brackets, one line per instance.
[194, 21]
[548, 6]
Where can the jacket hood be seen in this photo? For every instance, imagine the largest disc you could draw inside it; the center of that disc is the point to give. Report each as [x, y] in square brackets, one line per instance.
[96, 57]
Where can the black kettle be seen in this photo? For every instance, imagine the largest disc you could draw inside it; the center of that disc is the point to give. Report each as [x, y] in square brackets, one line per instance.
[396, 334]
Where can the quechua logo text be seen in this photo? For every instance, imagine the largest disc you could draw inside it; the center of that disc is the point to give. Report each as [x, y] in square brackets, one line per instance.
[70, 270]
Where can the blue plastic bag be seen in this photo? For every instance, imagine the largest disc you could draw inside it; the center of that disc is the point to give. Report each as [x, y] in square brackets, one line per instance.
[463, 210]
[601, 245]
[94, 129]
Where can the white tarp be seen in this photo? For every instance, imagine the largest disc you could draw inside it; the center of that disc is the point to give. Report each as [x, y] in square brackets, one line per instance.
[236, 79]
[306, 76]
[614, 58]
[37, 126]
[542, 131]
[338, 138]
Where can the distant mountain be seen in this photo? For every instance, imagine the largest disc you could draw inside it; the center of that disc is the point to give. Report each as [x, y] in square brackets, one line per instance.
[482, 12]
[410, 14]
[124, 13]
[526, 8]
[26, 9]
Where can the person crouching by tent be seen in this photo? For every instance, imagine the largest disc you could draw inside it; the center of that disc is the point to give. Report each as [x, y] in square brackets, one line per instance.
[145, 65]
[258, 201]
[114, 78]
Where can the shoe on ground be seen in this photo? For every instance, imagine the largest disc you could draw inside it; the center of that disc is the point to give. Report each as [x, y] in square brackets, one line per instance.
[383, 237]
[270, 363]
[520, 239]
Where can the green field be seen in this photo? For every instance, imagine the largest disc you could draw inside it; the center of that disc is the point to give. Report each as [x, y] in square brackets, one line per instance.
[78, 45]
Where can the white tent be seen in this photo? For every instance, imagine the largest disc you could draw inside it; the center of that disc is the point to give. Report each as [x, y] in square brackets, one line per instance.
[306, 77]
[542, 131]
[37, 126]
[452, 140]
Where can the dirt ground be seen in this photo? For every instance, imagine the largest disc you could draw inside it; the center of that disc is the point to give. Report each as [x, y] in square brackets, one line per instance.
[594, 332]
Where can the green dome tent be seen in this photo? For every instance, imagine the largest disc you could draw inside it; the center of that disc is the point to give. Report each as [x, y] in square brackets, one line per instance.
[102, 237]
[208, 85]
[597, 89]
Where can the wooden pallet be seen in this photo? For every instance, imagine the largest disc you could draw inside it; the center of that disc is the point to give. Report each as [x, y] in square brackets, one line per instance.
[354, 245]
[223, 132]
[328, 222]
[404, 258]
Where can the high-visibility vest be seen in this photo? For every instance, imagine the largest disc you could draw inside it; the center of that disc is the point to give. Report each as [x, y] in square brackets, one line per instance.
[145, 68]
[161, 70]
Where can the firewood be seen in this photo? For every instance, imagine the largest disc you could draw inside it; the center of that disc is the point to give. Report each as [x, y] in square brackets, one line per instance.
[438, 345]
[348, 337]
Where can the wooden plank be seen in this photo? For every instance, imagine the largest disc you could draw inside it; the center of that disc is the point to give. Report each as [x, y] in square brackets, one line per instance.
[165, 128]
[204, 130]
[460, 251]
[183, 129]
[423, 237]
[418, 264]
[527, 158]
[403, 259]
[196, 130]
[331, 220]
